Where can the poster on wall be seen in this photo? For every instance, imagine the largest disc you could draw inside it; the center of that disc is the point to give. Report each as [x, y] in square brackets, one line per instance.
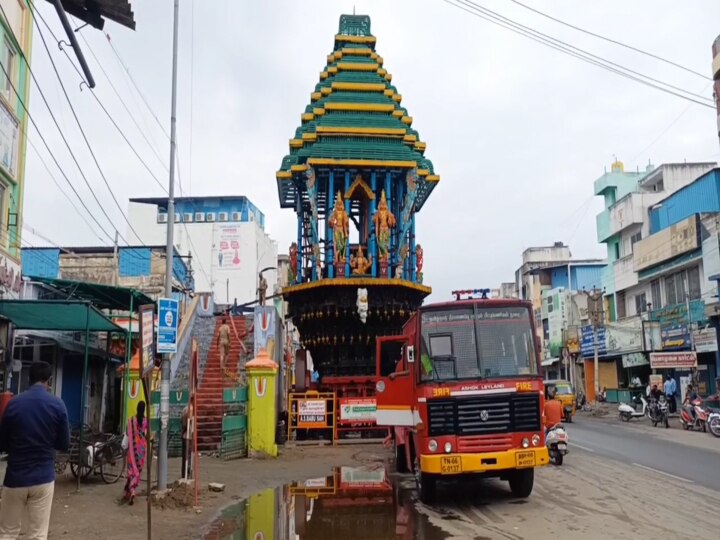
[229, 248]
[147, 333]
[9, 129]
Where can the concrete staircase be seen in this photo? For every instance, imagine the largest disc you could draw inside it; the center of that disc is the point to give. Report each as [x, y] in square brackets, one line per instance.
[212, 382]
[203, 331]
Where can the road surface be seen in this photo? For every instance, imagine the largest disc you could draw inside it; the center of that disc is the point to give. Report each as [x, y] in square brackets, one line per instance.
[619, 481]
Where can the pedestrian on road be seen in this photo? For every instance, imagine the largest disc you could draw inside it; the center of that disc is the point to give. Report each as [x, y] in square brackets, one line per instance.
[188, 430]
[137, 452]
[223, 342]
[670, 389]
[34, 426]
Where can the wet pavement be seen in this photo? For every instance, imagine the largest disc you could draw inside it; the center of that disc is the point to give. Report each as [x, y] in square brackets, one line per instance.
[352, 503]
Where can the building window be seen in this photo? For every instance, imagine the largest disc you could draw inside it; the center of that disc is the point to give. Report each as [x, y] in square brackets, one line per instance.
[7, 58]
[634, 239]
[640, 303]
[549, 304]
[675, 288]
[621, 307]
[656, 294]
[693, 279]
[617, 250]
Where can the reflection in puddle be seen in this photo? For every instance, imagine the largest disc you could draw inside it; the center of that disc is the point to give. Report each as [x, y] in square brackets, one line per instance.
[352, 503]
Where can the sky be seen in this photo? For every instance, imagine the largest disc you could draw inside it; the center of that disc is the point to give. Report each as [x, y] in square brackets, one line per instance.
[517, 131]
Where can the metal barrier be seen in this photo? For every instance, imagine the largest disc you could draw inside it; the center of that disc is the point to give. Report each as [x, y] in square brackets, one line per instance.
[178, 401]
[312, 411]
[233, 444]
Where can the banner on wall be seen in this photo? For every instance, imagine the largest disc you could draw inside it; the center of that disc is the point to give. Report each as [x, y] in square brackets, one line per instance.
[229, 248]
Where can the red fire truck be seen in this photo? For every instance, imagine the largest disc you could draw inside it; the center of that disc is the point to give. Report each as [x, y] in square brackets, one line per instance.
[461, 388]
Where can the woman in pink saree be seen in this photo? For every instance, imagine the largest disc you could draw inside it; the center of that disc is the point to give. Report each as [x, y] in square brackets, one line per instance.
[136, 451]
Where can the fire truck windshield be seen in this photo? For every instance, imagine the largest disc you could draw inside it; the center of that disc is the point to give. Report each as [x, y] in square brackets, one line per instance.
[476, 342]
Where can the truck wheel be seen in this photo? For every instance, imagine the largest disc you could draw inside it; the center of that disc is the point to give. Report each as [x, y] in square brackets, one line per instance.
[425, 485]
[400, 457]
[521, 482]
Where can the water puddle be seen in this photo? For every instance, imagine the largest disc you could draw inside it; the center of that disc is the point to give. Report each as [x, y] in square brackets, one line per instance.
[352, 503]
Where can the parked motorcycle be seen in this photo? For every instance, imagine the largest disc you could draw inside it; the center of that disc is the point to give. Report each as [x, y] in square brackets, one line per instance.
[714, 423]
[628, 412]
[658, 412]
[556, 440]
[699, 421]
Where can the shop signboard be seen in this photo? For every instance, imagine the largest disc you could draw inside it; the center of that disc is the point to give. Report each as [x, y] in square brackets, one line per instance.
[357, 410]
[673, 360]
[674, 324]
[705, 340]
[680, 238]
[634, 360]
[588, 341]
[147, 333]
[311, 413]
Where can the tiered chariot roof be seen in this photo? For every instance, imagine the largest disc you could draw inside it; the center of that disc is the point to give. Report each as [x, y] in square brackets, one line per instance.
[355, 118]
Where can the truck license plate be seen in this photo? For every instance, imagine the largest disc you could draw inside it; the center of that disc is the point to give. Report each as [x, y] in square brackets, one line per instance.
[525, 459]
[450, 465]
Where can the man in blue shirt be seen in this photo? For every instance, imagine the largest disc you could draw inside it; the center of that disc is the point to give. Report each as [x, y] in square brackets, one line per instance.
[34, 426]
[670, 389]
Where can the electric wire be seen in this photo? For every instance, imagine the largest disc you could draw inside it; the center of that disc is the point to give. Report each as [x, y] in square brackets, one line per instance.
[558, 45]
[610, 40]
[84, 136]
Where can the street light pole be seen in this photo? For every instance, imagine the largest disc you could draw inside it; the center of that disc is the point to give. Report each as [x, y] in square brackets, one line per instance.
[169, 257]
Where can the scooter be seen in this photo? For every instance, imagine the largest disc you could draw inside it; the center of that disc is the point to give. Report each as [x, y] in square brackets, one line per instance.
[556, 440]
[658, 411]
[628, 412]
[699, 421]
[714, 423]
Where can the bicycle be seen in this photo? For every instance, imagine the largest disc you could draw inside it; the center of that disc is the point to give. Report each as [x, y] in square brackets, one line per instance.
[102, 454]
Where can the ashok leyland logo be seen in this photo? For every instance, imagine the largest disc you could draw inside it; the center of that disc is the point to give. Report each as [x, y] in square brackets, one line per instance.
[484, 415]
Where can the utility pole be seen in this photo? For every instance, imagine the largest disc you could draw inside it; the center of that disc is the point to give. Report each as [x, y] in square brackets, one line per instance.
[116, 264]
[597, 318]
[169, 256]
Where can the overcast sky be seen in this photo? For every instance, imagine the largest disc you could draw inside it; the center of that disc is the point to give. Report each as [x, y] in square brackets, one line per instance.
[518, 132]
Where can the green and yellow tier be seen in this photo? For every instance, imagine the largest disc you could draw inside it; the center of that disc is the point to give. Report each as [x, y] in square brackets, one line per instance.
[356, 176]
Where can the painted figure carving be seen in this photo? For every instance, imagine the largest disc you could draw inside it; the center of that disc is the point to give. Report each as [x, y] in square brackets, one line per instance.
[339, 222]
[359, 263]
[362, 305]
[403, 253]
[262, 290]
[384, 220]
[293, 263]
[419, 262]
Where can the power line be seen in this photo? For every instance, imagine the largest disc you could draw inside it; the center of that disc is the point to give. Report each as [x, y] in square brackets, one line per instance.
[107, 113]
[82, 131]
[610, 40]
[494, 18]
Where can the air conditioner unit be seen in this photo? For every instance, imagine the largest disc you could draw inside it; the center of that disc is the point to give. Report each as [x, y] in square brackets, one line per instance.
[188, 218]
[162, 218]
[177, 218]
[222, 216]
[251, 216]
[210, 216]
[236, 216]
[199, 217]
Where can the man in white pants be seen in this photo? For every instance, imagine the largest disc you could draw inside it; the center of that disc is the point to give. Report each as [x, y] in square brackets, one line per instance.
[34, 425]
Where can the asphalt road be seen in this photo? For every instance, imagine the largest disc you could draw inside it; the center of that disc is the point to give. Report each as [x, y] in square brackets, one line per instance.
[651, 449]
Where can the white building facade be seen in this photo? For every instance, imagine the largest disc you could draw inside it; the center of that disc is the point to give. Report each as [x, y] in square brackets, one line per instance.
[224, 236]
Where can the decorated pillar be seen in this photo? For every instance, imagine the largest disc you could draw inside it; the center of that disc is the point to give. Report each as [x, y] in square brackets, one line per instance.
[261, 516]
[372, 238]
[329, 241]
[262, 414]
[347, 211]
[413, 256]
[298, 203]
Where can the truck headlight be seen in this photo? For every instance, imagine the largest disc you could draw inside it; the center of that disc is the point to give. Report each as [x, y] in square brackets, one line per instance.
[536, 439]
[448, 447]
[525, 442]
[432, 445]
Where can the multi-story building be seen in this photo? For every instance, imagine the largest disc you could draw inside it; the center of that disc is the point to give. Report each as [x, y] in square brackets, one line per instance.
[15, 47]
[662, 259]
[505, 290]
[225, 237]
[716, 76]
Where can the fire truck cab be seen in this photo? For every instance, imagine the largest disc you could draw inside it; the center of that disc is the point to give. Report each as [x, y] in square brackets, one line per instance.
[462, 390]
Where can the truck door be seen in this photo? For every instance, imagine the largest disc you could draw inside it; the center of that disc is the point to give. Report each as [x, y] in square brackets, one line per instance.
[395, 387]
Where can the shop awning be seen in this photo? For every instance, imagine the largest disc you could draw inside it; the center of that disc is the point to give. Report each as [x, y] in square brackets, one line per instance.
[100, 296]
[60, 315]
[549, 362]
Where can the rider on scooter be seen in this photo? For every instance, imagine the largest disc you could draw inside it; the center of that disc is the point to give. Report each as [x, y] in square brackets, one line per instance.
[690, 396]
[553, 412]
